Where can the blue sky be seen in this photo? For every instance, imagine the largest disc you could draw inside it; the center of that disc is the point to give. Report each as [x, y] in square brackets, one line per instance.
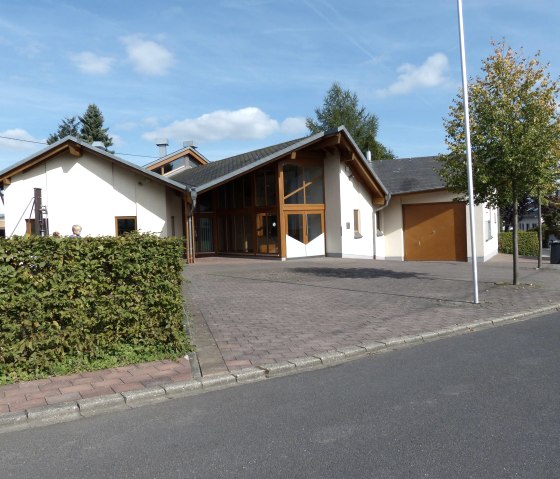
[235, 75]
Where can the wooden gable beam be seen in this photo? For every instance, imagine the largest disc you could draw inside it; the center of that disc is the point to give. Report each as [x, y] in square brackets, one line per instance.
[39, 159]
[331, 141]
[75, 150]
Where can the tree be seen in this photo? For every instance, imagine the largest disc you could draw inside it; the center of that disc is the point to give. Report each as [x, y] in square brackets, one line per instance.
[68, 127]
[341, 107]
[92, 126]
[506, 212]
[551, 213]
[515, 134]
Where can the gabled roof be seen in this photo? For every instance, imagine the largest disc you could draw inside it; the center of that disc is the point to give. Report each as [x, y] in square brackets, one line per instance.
[214, 173]
[409, 175]
[76, 148]
[189, 151]
[219, 170]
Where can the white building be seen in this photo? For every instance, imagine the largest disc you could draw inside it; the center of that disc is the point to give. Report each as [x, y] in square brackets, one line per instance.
[312, 196]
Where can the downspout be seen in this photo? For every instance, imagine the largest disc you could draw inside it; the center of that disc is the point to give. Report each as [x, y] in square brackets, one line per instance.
[191, 224]
[382, 207]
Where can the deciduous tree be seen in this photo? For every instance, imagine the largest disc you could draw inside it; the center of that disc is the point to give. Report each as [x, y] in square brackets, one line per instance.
[515, 133]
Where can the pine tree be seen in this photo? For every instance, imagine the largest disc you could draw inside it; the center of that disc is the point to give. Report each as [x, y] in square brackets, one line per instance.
[68, 127]
[92, 126]
[341, 107]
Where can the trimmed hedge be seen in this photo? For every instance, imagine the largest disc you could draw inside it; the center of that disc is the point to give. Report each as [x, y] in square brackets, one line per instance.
[528, 243]
[75, 300]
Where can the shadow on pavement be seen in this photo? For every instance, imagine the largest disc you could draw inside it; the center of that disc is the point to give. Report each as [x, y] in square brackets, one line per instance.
[361, 273]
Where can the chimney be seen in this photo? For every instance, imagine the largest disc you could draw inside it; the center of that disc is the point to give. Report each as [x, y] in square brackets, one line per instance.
[189, 143]
[162, 144]
[368, 155]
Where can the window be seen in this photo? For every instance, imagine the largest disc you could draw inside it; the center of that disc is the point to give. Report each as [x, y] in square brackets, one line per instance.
[303, 184]
[125, 224]
[204, 237]
[305, 227]
[204, 203]
[236, 194]
[265, 183]
[357, 233]
[173, 165]
[488, 229]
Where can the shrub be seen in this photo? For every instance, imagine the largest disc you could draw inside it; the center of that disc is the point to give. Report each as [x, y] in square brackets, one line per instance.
[528, 243]
[75, 301]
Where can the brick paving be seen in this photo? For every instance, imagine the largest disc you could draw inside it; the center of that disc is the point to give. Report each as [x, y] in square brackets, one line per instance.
[261, 311]
[249, 312]
[55, 390]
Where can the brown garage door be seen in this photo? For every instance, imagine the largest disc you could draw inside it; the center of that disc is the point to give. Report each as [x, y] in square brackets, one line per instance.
[435, 232]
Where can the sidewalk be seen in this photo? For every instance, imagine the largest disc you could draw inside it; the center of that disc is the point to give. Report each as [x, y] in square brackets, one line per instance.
[261, 312]
[251, 317]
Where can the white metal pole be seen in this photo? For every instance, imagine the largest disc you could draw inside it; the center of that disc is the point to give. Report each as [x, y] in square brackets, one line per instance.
[469, 156]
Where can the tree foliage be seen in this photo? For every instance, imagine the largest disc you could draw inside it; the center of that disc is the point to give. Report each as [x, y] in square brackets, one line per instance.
[92, 126]
[515, 133]
[69, 126]
[341, 107]
[551, 213]
[88, 128]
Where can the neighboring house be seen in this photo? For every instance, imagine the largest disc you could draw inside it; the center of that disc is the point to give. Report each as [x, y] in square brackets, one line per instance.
[530, 220]
[185, 158]
[423, 221]
[77, 183]
[313, 196]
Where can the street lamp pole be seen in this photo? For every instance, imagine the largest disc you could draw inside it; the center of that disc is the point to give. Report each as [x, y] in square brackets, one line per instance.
[469, 156]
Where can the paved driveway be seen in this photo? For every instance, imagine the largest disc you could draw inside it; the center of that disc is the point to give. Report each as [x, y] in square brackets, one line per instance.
[252, 312]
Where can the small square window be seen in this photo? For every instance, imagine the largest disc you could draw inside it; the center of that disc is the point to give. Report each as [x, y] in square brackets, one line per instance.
[125, 224]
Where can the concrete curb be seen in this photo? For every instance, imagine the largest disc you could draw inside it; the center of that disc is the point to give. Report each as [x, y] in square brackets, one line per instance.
[70, 411]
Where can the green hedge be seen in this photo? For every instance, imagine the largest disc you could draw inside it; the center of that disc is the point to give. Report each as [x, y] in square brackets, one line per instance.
[74, 300]
[528, 243]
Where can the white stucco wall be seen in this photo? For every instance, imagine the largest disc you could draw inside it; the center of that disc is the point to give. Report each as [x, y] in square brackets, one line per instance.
[333, 231]
[392, 226]
[343, 195]
[89, 191]
[486, 241]
[174, 213]
[354, 196]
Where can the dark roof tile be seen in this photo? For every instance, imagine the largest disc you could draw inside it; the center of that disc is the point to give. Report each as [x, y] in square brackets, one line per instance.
[409, 175]
[204, 174]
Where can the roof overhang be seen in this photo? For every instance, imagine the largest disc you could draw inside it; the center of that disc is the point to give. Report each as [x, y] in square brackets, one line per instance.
[77, 148]
[337, 138]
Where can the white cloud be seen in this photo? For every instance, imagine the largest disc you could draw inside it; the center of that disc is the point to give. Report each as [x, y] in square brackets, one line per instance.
[147, 57]
[431, 73]
[118, 141]
[92, 64]
[29, 141]
[245, 124]
[293, 126]
[126, 126]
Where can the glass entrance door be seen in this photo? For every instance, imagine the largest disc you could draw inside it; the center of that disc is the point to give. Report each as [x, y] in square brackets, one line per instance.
[305, 234]
[204, 235]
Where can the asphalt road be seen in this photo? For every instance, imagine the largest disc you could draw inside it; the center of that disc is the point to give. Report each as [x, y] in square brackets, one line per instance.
[480, 405]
